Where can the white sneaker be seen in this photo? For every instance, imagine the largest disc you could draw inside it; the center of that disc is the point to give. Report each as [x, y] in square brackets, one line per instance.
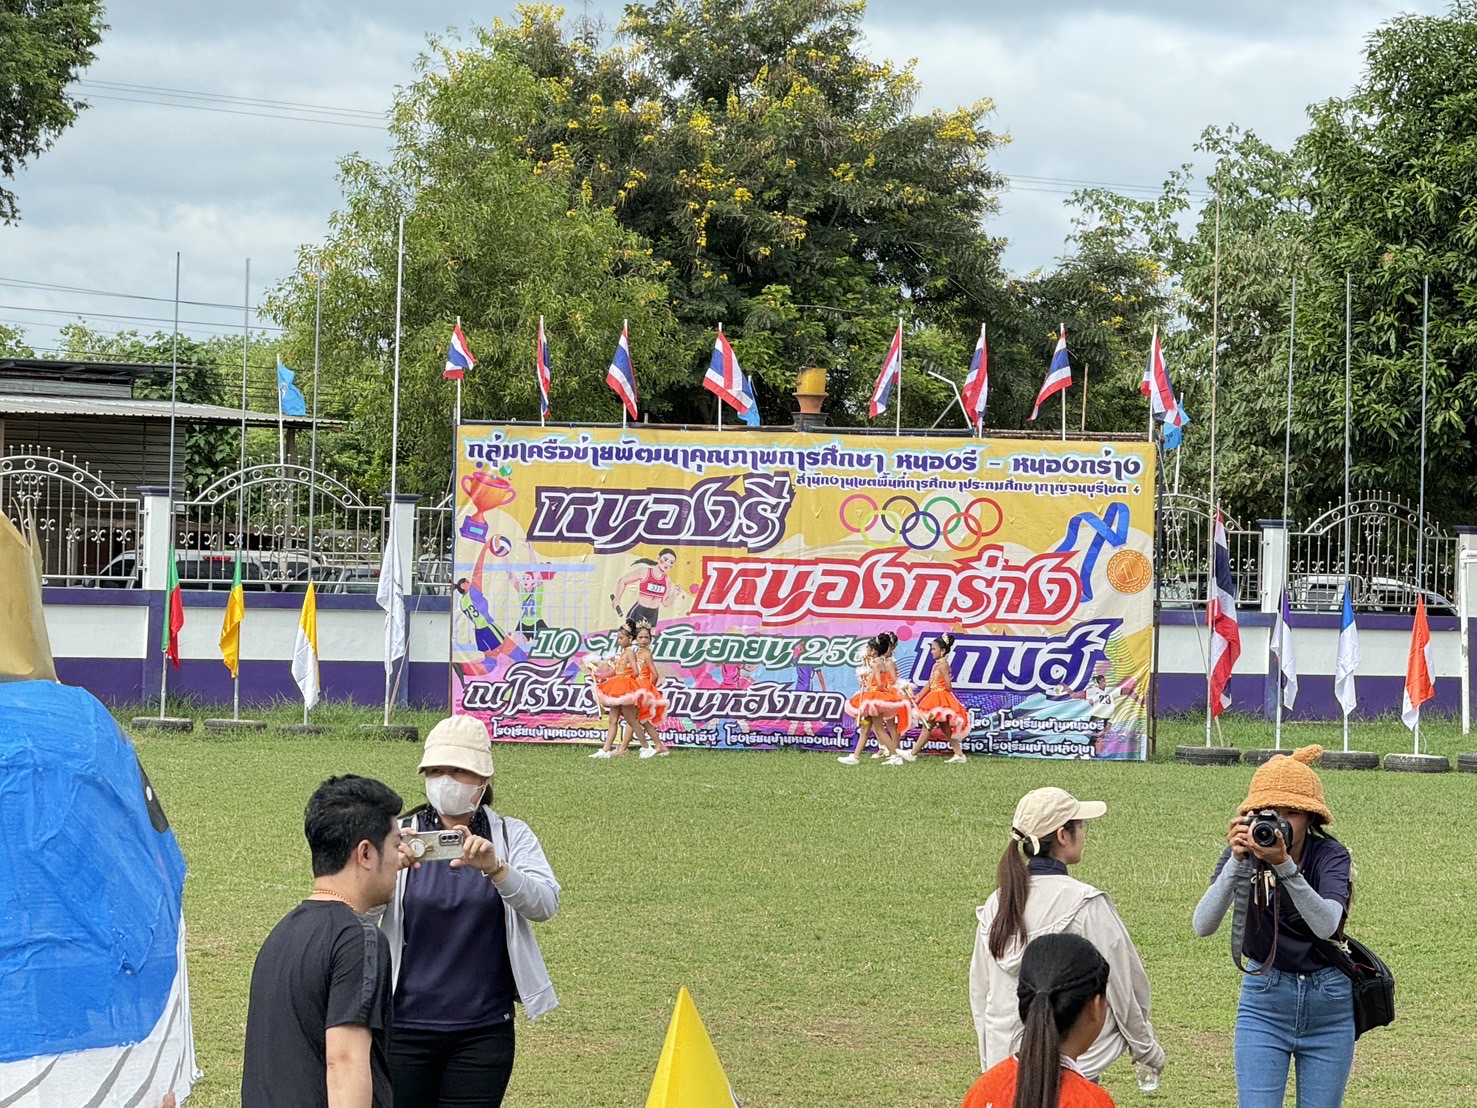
[907, 755]
[849, 760]
[647, 752]
[958, 760]
[877, 754]
[601, 754]
[895, 760]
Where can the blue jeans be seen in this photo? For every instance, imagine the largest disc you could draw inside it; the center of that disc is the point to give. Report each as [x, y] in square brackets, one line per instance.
[1283, 1016]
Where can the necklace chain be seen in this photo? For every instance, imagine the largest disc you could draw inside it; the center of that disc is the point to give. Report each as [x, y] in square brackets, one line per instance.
[336, 896]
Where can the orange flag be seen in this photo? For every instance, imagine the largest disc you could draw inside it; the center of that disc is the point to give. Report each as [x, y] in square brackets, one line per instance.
[1418, 685]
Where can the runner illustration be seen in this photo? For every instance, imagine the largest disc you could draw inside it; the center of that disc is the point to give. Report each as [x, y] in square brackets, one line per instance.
[654, 589]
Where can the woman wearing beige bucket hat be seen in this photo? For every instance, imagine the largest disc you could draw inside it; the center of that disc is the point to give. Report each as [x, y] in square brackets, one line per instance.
[1035, 896]
[1295, 1004]
[461, 946]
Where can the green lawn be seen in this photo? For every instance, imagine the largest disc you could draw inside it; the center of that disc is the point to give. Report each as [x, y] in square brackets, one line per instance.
[823, 916]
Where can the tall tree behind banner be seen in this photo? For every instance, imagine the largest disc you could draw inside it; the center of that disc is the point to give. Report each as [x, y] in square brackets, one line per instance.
[766, 561]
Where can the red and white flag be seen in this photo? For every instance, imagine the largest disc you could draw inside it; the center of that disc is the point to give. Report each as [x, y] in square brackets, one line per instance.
[1220, 614]
[977, 381]
[1058, 375]
[1418, 685]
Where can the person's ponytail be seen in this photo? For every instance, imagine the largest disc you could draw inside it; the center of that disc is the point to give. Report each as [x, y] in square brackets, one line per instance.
[1038, 1075]
[1012, 883]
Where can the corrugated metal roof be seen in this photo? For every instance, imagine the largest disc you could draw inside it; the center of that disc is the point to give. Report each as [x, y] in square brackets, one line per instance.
[84, 406]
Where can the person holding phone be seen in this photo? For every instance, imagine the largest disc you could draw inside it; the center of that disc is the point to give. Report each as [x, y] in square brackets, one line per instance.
[462, 948]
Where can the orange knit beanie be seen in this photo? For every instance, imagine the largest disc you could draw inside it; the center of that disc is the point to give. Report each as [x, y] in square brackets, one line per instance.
[1288, 782]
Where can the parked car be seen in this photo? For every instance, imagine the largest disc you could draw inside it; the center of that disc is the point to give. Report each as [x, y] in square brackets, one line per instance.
[211, 572]
[1324, 592]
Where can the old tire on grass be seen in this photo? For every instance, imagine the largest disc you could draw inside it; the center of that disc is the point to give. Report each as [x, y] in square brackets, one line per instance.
[1349, 759]
[1417, 763]
[1257, 757]
[1466, 763]
[1207, 755]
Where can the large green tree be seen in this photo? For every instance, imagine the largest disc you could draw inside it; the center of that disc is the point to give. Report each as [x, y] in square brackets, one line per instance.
[44, 45]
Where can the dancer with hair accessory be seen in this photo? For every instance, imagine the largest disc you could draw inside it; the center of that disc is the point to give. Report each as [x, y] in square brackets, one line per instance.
[651, 709]
[938, 706]
[870, 704]
[1036, 896]
[617, 690]
[1062, 1000]
[890, 703]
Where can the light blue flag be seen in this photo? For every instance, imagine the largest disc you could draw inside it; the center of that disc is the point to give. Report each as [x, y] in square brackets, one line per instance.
[289, 398]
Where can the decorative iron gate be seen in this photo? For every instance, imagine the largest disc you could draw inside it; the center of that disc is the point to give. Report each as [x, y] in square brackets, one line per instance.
[1184, 553]
[87, 532]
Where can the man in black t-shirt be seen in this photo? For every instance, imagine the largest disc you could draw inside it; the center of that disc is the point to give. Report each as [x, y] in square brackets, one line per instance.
[317, 1024]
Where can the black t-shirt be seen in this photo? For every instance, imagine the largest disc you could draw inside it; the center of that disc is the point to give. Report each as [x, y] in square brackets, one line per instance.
[323, 966]
[1326, 867]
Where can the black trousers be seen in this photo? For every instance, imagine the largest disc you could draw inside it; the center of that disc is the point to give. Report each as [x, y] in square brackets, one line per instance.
[451, 1069]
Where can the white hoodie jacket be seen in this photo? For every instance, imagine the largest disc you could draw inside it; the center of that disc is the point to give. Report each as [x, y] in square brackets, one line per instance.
[529, 892]
[1058, 904]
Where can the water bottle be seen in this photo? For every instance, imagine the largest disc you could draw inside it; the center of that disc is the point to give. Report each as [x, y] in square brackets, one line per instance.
[1148, 1078]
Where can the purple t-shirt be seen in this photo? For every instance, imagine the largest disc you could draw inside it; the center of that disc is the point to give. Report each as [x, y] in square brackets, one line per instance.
[1325, 866]
[454, 968]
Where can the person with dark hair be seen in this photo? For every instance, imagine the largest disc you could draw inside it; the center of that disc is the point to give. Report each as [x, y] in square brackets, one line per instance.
[655, 590]
[651, 710]
[864, 705]
[938, 706]
[462, 948]
[618, 691]
[1296, 1005]
[1035, 896]
[1063, 1004]
[318, 1017]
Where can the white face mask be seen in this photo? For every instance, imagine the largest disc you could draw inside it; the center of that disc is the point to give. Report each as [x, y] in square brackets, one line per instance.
[450, 797]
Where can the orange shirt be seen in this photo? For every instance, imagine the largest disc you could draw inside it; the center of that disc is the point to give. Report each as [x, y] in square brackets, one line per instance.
[996, 1089]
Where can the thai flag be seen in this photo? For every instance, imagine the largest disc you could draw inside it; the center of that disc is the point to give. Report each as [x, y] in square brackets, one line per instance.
[621, 376]
[725, 379]
[1347, 660]
[977, 381]
[1156, 386]
[1220, 616]
[892, 369]
[1058, 376]
[458, 356]
[544, 370]
[1282, 647]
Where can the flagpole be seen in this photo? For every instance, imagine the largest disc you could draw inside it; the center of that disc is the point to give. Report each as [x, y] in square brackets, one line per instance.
[281, 432]
[1420, 543]
[1286, 527]
[898, 425]
[1215, 318]
[979, 415]
[241, 474]
[1348, 379]
[625, 329]
[173, 401]
[313, 447]
[717, 397]
[395, 442]
[1086, 366]
[538, 372]
[456, 415]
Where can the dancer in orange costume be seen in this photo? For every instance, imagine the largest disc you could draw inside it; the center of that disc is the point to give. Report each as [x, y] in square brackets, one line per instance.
[651, 709]
[878, 706]
[617, 690]
[938, 706]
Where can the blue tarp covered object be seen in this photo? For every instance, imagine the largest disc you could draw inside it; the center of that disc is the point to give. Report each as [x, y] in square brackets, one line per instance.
[91, 879]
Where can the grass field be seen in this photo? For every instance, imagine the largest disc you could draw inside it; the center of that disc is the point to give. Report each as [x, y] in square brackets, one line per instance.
[823, 916]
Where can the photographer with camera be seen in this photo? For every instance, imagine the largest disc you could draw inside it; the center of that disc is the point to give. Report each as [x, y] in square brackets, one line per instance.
[1290, 883]
[1035, 896]
[461, 946]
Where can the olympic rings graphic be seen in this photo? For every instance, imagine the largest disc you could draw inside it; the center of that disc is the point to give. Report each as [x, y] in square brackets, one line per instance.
[920, 528]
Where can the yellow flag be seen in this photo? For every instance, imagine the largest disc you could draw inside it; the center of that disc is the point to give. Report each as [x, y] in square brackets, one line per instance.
[305, 650]
[231, 628]
[688, 1074]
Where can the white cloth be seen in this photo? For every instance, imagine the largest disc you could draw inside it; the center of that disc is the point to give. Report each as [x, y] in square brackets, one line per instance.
[1054, 905]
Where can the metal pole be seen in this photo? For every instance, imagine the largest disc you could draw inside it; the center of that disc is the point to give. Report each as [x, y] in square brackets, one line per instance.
[898, 427]
[395, 436]
[717, 397]
[538, 372]
[313, 441]
[1348, 394]
[1086, 366]
[1215, 340]
[625, 328]
[241, 473]
[1420, 542]
[1286, 478]
[173, 401]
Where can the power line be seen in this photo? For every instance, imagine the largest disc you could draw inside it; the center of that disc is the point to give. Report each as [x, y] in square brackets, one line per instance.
[233, 111]
[16, 282]
[130, 318]
[229, 98]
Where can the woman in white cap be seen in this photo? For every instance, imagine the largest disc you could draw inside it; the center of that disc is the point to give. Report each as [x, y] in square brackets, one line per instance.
[1035, 896]
[461, 946]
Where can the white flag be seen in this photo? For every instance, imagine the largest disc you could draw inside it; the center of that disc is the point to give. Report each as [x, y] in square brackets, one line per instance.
[1348, 656]
[305, 650]
[1282, 647]
[390, 595]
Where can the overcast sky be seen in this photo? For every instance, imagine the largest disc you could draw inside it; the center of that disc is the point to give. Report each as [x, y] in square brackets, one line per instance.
[1090, 92]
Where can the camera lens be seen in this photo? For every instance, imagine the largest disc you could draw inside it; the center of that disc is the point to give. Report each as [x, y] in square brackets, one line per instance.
[1263, 834]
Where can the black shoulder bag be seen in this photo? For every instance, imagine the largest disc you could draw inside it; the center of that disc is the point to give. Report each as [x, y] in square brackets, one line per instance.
[1374, 984]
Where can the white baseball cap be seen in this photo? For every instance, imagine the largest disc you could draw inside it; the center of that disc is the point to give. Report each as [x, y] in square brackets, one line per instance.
[459, 742]
[1042, 812]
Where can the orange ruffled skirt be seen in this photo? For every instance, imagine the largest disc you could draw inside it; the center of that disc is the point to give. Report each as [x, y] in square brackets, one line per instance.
[942, 707]
[652, 707]
[617, 691]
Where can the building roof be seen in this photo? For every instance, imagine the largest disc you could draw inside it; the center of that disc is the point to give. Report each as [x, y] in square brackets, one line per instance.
[80, 369]
[107, 408]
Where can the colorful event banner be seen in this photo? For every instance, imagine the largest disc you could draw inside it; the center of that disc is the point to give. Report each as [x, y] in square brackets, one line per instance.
[765, 562]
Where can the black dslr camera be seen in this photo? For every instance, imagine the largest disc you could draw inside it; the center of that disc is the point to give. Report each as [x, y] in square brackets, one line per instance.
[1264, 827]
